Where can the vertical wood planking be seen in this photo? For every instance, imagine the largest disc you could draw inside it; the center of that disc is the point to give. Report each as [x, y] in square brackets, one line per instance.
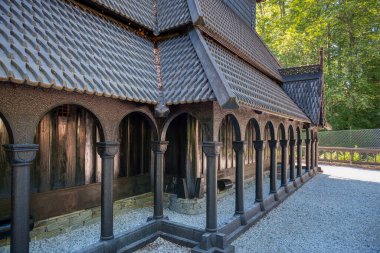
[45, 135]
[80, 168]
[90, 155]
[67, 136]
[5, 170]
[71, 138]
[60, 168]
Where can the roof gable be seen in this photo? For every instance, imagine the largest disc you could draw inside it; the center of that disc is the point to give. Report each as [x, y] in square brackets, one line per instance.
[305, 86]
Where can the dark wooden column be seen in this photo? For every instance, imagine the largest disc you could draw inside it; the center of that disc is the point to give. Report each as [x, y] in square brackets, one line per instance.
[291, 157]
[20, 157]
[259, 146]
[212, 150]
[107, 151]
[284, 145]
[307, 156]
[299, 158]
[316, 152]
[239, 191]
[273, 166]
[159, 149]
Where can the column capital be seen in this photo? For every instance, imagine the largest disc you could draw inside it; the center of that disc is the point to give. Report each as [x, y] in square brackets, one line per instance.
[239, 146]
[307, 141]
[284, 143]
[292, 143]
[21, 154]
[212, 148]
[259, 145]
[107, 149]
[159, 146]
[272, 143]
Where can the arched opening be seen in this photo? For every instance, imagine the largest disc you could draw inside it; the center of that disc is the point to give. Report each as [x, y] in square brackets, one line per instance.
[252, 133]
[229, 132]
[135, 156]
[5, 171]
[305, 158]
[281, 136]
[184, 161]
[269, 136]
[291, 154]
[298, 153]
[67, 156]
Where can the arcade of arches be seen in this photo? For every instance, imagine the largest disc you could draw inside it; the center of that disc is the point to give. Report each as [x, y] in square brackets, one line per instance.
[81, 150]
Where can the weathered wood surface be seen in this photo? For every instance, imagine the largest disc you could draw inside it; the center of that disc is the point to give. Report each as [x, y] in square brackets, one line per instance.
[67, 156]
[135, 141]
[5, 170]
[184, 158]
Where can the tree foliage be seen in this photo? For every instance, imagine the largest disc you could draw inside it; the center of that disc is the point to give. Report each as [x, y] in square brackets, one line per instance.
[349, 32]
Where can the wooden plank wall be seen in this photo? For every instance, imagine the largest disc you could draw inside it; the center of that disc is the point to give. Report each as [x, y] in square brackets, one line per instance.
[135, 153]
[5, 170]
[184, 157]
[67, 156]
[227, 136]
[250, 136]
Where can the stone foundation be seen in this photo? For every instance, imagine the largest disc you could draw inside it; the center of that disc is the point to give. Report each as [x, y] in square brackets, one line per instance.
[187, 206]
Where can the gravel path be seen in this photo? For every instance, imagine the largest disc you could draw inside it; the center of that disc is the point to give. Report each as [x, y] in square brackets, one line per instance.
[338, 211]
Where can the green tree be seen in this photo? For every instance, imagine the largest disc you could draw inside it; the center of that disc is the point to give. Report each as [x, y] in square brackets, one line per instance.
[349, 32]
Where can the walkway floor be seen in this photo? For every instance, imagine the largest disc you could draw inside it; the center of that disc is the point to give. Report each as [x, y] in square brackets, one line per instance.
[337, 211]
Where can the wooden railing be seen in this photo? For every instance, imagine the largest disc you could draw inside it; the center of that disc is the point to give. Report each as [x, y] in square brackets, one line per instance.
[363, 156]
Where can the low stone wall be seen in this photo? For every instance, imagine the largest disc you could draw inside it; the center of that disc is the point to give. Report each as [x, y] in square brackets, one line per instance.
[187, 206]
[65, 223]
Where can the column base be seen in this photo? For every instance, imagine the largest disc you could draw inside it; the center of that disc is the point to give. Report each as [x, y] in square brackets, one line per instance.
[305, 177]
[243, 218]
[157, 218]
[106, 238]
[213, 243]
[282, 193]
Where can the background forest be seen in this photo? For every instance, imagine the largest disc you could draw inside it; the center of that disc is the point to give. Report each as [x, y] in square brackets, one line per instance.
[349, 32]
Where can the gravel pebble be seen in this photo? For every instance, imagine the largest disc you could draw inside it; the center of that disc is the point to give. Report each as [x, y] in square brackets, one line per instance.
[338, 211]
[162, 246]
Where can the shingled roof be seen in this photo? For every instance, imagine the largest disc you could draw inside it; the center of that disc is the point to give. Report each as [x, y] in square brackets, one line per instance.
[305, 86]
[155, 15]
[63, 45]
[239, 83]
[57, 44]
[220, 22]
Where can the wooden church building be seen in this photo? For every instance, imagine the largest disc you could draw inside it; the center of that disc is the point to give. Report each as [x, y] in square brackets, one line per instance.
[102, 100]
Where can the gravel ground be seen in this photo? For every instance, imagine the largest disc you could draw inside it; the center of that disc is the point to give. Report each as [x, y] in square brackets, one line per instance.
[162, 246]
[338, 211]
[81, 237]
